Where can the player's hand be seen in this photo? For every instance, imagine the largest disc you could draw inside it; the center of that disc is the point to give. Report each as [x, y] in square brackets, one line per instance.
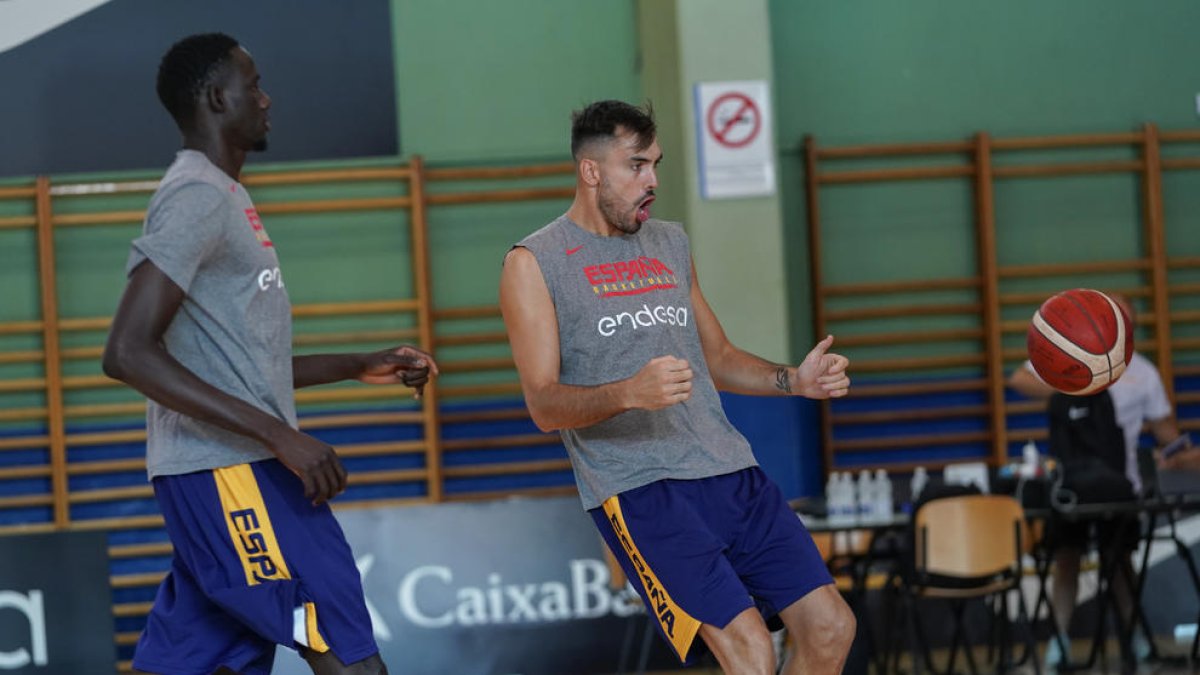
[1187, 459]
[822, 374]
[403, 365]
[662, 382]
[315, 463]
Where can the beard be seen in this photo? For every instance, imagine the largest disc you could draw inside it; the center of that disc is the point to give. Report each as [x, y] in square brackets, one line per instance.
[260, 145]
[626, 221]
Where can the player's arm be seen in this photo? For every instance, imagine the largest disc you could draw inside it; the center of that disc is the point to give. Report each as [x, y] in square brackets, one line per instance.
[820, 375]
[405, 365]
[135, 355]
[532, 326]
[1024, 381]
[1164, 430]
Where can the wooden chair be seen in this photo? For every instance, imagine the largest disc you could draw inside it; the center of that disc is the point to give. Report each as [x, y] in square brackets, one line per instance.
[969, 547]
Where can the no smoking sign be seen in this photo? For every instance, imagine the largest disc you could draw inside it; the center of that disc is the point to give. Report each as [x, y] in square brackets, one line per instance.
[734, 137]
[733, 120]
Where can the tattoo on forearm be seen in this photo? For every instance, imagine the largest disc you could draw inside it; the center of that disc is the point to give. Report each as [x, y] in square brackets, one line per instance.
[782, 381]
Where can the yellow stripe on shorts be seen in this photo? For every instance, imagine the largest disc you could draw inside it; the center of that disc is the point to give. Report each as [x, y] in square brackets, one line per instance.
[250, 525]
[315, 641]
[679, 626]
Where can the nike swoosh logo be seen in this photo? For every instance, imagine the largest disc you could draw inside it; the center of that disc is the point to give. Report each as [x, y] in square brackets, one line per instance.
[573, 251]
[24, 20]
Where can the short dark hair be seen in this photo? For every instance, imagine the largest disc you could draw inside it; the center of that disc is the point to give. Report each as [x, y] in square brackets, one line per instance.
[600, 120]
[187, 68]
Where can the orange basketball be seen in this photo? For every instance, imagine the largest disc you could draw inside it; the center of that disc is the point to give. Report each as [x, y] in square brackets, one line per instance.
[1080, 341]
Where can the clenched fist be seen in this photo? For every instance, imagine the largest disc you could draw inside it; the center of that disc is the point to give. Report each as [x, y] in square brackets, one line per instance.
[663, 381]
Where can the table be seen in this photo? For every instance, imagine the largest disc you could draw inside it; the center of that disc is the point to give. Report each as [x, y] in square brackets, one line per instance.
[1143, 514]
[1179, 494]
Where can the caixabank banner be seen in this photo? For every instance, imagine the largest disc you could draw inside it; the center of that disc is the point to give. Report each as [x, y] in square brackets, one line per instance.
[509, 587]
[55, 605]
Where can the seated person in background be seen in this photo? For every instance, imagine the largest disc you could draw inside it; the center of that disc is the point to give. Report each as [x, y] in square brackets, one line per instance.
[1186, 459]
[1138, 398]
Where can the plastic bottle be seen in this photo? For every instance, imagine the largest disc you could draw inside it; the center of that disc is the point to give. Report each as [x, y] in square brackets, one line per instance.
[843, 511]
[919, 479]
[866, 496]
[1030, 460]
[846, 498]
[883, 496]
[831, 496]
[1185, 633]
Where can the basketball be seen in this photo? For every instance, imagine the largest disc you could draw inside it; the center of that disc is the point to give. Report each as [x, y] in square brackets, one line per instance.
[1080, 341]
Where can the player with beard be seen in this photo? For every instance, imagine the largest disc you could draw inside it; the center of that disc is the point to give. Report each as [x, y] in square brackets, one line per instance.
[617, 350]
[204, 330]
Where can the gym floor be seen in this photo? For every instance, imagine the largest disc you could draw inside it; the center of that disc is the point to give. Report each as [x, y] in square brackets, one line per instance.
[1174, 662]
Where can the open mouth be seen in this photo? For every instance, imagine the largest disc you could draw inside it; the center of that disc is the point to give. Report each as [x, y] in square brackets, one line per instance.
[643, 209]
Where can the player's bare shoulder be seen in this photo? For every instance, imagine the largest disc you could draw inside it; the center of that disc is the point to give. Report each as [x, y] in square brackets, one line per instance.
[519, 260]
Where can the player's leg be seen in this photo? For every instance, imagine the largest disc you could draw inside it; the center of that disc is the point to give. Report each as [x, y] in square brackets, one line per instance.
[678, 566]
[186, 630]
[265, 566]
[821, 627]
[1065, 573]
[781, 566]
[331, 625]
[743, 645]
[328, 664]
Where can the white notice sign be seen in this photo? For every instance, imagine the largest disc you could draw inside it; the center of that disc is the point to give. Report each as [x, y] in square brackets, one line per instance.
[736, 149]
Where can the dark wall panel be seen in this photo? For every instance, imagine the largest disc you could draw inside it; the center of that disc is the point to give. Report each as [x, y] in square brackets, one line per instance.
[81, 97]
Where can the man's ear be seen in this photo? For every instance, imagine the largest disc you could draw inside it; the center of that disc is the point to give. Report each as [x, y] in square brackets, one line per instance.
[589, 171]
[214, 97]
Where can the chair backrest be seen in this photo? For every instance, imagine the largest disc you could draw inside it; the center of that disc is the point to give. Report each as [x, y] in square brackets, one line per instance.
[971, 536]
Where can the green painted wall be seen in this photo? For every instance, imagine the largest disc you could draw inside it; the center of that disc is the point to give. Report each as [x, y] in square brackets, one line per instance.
[477, 83]
[482, 82]
[877, 71]
[497, 80]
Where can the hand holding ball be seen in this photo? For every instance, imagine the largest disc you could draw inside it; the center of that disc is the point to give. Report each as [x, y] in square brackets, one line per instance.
[1080, 341]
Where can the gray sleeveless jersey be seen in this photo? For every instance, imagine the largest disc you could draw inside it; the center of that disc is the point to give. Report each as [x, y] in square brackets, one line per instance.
[621, 301]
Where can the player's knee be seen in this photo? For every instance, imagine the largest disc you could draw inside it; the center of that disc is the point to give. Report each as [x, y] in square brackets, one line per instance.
[844, 625]
[753, 649]
[743, 641]
[830, 637]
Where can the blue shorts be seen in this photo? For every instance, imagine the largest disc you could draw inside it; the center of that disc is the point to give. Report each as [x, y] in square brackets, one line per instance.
[255, 565]
[703, 551]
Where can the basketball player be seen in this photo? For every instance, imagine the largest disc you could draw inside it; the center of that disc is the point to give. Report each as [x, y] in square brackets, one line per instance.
[1138, 398]
[204, 331]
[617, 349]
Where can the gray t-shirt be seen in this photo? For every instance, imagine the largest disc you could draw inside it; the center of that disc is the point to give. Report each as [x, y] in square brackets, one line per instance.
[621, 301]
[234, 329]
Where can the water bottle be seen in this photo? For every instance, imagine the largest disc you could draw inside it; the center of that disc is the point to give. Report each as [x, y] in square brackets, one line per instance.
[843, 511]
[1185, 633]
[919, 479]
[846, 501]
[831, 496]
[1030, 460]
[883, 496]
[866, 496]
